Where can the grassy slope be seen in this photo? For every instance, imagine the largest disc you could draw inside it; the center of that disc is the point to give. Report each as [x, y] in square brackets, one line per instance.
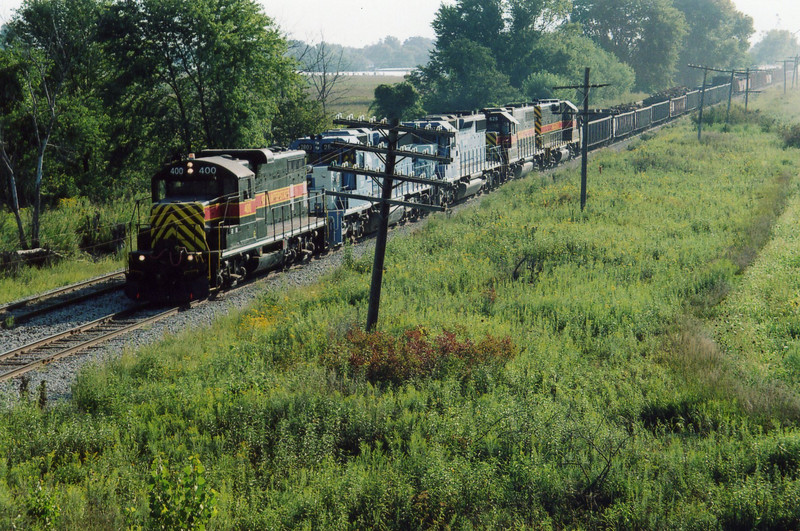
[643, 352]
[62, 230]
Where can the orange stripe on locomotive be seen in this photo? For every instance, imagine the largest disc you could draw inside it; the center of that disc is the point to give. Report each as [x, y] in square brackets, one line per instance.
[235, 211]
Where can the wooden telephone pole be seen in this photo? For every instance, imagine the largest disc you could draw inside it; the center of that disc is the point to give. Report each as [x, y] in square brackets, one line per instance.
[747, 90]
[393, 132]
[585, 140]
[785, 62]
[732, 72]
[706, 70]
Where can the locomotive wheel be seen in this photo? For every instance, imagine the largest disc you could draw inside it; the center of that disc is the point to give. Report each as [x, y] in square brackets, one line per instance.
[413, 212]
[251, 264]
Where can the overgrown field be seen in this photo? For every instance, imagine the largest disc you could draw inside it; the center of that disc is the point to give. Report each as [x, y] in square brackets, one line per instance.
[88, 239]
[354, 94]
[634, 365]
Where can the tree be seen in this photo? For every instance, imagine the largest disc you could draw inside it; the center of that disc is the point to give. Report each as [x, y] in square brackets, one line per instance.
[568, 52]
[528, 21]
[416, 51]
[463, 76]
[11, 91]
[217, 69]
[48, 42]
[719, 35]
[297, 115]
[645, 34]
[323, 66]
[479, 40]
[400, 101]
[509, 29]
[776, 46]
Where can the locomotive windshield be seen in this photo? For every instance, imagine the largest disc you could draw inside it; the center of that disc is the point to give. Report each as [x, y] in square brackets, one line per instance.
[196, 188]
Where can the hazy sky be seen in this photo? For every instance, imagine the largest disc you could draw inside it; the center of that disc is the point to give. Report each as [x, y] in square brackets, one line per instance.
[361, 22]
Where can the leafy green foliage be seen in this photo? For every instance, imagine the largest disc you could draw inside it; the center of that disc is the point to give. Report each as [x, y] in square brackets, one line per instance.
[50, 48]
[96, 95]
[180, 499]
[217, 69]
[521, 45]
[774, 47]
[43, 507]
[645, 34]
[718, 35]
[566, 53]
[455, 78]
[399, 101]
[791, 136]
[540, 85]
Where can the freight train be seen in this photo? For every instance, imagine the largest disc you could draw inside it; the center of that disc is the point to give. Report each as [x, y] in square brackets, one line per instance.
[220, 215]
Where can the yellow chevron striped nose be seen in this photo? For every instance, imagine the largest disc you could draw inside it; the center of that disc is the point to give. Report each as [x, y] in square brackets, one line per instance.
[183, 223]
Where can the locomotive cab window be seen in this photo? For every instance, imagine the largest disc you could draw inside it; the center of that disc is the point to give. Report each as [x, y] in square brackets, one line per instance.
[196, 188]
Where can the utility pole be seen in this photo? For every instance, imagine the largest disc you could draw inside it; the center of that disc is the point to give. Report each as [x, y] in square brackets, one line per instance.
[585, 140]
[702, 103]
[388, 177]
[585, 146]
[706, 70]
[794, 72]
[747, 90]
[747, 87]
[730, 98]
[785, 62]
[383, 231]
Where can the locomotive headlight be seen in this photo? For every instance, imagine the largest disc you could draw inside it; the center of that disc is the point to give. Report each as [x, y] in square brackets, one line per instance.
[189, 164]
[141, 258]
[190, 171]
[190, 258]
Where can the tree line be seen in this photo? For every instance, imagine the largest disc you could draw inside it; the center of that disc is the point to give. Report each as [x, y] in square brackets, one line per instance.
[96, 94]
[528, 46]
[389, 52]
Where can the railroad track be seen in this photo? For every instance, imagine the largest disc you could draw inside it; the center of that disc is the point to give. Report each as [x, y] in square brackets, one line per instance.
[34, 355]
[25, 309]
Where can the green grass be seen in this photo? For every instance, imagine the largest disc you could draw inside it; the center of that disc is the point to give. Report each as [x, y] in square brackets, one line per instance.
[33, 280]
[354, 94]
[76, 230]
[618, 367]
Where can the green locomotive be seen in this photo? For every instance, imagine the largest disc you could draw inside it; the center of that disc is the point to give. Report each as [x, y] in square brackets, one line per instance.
[219, 215]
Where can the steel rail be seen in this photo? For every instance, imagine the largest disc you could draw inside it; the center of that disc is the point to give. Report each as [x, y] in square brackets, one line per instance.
[72, 343]
[6, 309]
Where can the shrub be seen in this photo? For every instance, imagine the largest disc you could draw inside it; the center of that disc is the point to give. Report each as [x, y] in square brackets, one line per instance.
[791, 136]
[42, 506]
[381, 357]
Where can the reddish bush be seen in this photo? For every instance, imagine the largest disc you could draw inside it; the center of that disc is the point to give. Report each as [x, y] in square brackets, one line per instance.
[381, 357]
